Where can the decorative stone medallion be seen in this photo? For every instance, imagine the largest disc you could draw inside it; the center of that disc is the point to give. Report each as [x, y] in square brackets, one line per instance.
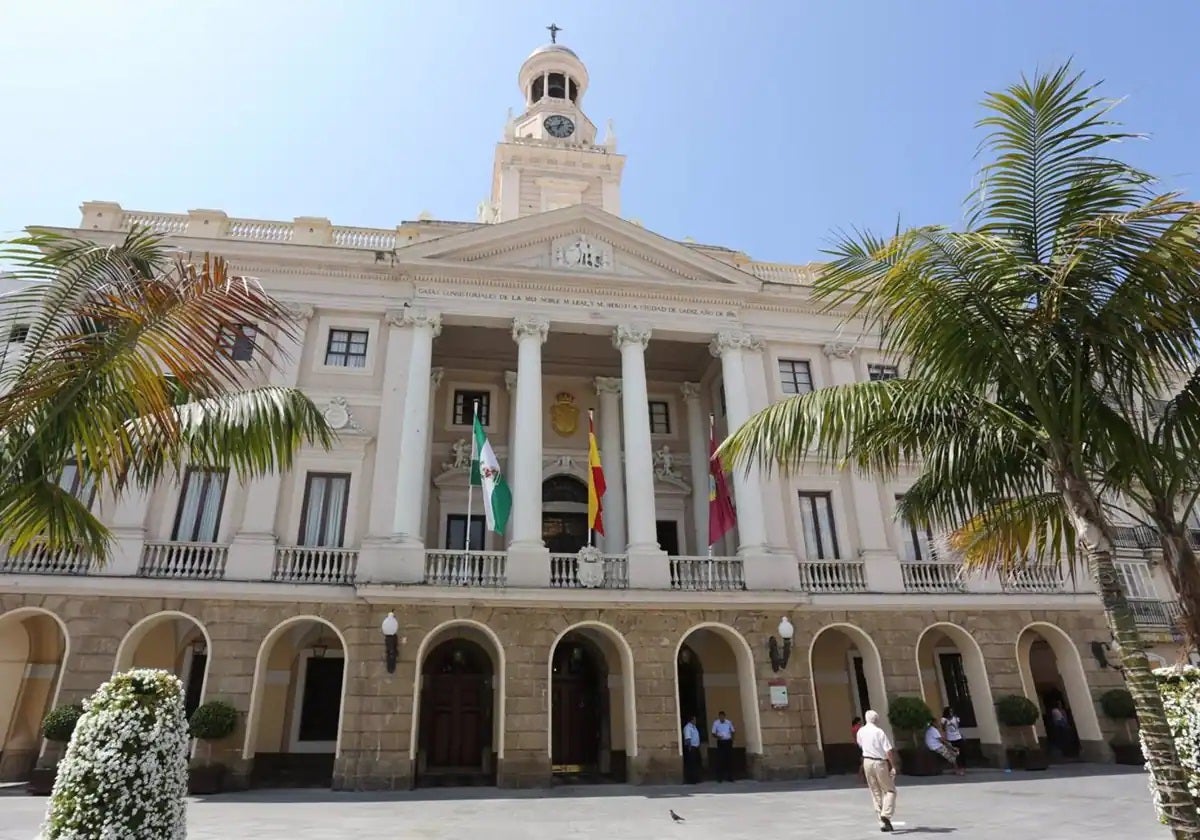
[338, 416]
[590, 571]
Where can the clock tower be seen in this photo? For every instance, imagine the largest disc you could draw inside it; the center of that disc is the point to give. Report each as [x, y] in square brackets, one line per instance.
[549, 157]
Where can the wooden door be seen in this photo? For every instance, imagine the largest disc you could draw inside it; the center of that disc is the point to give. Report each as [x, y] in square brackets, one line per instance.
[577, 690]
[456, 719]
[322, 701]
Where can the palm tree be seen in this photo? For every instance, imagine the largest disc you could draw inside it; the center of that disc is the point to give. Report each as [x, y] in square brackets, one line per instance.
[125, 373]
[1071, 279]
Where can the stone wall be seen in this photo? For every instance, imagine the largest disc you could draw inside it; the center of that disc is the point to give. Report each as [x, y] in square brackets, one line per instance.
[378, 713]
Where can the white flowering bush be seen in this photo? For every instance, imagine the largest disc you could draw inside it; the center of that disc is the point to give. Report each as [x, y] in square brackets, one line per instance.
[1180, 690]
[124, 776]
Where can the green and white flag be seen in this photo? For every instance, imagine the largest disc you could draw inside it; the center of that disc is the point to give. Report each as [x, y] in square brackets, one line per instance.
[485, 473]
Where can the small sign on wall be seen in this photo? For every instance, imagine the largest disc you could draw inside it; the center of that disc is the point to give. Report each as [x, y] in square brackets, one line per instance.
[779, 693]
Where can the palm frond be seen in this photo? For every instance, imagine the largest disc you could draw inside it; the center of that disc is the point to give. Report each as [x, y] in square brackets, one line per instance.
[1014, 533]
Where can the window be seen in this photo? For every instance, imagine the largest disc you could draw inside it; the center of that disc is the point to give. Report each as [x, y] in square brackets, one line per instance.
[1135, 579]
[667, 534]
[956, 690]
[347, 348]
[82, 488]
[816, 518]
[18, 333]
[916, 544]
[237, 341]
[660, 418]
[323, 515]
[199, 516]
[795, 377]
[456, 532]
[464, 407]
[878, 373]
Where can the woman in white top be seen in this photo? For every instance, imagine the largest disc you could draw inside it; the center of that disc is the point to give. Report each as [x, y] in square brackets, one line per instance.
[935, 743]
[952, 726]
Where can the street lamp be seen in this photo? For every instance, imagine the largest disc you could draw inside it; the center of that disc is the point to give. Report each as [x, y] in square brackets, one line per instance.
[390, 628]
[779, 659]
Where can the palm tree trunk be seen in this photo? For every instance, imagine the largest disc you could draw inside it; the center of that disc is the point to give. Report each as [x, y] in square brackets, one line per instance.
[1179, 807]
[1184, 575]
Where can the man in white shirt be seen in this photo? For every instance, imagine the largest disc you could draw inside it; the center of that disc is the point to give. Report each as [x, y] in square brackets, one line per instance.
[691, 752]
[879, 766]
[722, 730]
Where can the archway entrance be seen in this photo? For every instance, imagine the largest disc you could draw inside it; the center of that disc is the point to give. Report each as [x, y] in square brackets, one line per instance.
[32, 649]
[170, 641]
[1052, 676]
[580, 720]
[454, 745]
[564, 514]
[847, 681]
[296, 710]
[953, 674]
[714, 673]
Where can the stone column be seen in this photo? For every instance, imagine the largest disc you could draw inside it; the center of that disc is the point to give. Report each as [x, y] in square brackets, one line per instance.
[648, 566]
[613, 462]
[435, 382]
[881, 561]
[698, 433]
[528, 559]
[510, 385]
[128, 526]
[414, 433]
[775, 515]
[252, 553]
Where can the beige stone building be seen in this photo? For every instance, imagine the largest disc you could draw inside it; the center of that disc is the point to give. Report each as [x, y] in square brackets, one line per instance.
[522, 661]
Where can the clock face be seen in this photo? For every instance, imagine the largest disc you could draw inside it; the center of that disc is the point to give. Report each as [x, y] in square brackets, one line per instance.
[559, 126]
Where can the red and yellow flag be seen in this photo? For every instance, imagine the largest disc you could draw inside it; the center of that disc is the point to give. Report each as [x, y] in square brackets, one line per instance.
[596, 486]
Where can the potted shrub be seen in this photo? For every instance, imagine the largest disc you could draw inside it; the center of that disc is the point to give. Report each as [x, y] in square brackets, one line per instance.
[1019, 713]
[214, 721]
[1117, 704]
[57, 726]
[909, 717]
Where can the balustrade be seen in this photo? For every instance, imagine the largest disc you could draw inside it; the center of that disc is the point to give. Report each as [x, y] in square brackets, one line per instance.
[564, 572]
[1034, 578]
[38, 560]
[315, 565]
[932, 577]
[707, 573]
[465, 568]
[833, 576]
[202, 561]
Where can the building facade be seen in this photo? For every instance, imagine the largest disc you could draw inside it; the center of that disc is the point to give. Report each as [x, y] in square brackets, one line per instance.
[523, 660]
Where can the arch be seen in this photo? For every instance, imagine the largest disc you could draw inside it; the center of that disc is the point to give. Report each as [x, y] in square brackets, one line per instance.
[747, 682]
[624, 655]
[128, 648]
[872, 667]
[28, 707]
[979, 685]
[261, 662]
[562, 488]
[1070, 670]
[441, 633]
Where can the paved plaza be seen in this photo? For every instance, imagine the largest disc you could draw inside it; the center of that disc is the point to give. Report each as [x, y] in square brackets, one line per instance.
[1065, 804]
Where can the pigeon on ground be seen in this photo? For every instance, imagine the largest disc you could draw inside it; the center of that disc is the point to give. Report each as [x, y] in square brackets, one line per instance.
[675, 816]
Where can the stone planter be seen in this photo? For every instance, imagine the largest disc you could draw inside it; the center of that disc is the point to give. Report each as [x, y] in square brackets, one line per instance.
[1127, 753]
[41, 781]
[206, 779]
[918, 762]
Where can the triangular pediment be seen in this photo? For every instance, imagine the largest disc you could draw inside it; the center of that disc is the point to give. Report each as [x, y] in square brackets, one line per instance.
[582, 241]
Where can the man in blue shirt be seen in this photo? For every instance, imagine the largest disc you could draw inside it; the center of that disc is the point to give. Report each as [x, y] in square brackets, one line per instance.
[691, 752]
[722, 729]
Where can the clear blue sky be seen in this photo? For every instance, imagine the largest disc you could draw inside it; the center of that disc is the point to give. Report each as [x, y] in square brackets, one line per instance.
[759, 125]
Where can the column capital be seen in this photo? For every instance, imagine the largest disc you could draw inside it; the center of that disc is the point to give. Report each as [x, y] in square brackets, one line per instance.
[410, 317]
[530, 327]
[627, 335]
[838, 350]
[690, 390]
[435, 377]
[729, 340]
[300, 312]
[608, 385]
[510, 379]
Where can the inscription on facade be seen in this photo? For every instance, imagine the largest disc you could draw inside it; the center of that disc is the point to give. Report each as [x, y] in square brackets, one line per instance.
[599, 304]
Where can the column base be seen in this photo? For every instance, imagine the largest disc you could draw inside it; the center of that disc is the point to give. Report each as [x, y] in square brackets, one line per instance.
[251, 557]
[764, 571]
[882, 569]
[527, 565]
[649, 568]
[395, 559]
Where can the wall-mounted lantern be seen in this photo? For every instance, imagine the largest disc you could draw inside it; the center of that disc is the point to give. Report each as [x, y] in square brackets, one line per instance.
[391, 646]
[779, 658]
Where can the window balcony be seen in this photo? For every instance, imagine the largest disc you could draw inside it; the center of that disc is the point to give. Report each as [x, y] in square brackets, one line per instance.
[465, 568]
[932, 577]
[1151, 613]
[38, 560]
[1034, 578]
[833, 576]
[564, 572]
[707, 574]
[301, 564]
[183, 560]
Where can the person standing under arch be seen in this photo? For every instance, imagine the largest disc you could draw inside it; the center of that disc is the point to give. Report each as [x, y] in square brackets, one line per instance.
[722, 730]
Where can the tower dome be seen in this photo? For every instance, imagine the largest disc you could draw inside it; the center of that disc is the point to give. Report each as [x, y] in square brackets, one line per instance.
[553, 72]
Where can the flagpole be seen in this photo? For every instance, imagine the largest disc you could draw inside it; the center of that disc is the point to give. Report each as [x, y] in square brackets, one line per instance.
[470, 485]
[591, 530]
[712, 431]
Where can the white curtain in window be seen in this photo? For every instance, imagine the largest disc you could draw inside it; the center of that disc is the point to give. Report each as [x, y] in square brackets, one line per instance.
[313, 512]
[812, 544]
[825, 526]
[335, 507]
[210, 508]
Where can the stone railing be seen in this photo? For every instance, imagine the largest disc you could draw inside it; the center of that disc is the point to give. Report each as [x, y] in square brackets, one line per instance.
[833, 576]
[157, 222]
[932, 577]
[564, 572]
[1033, 578]
[465, 568]
[37, 560]
[315, 565]
[707, 573]
[200, 561]
[792, 275]
[1150, 612]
